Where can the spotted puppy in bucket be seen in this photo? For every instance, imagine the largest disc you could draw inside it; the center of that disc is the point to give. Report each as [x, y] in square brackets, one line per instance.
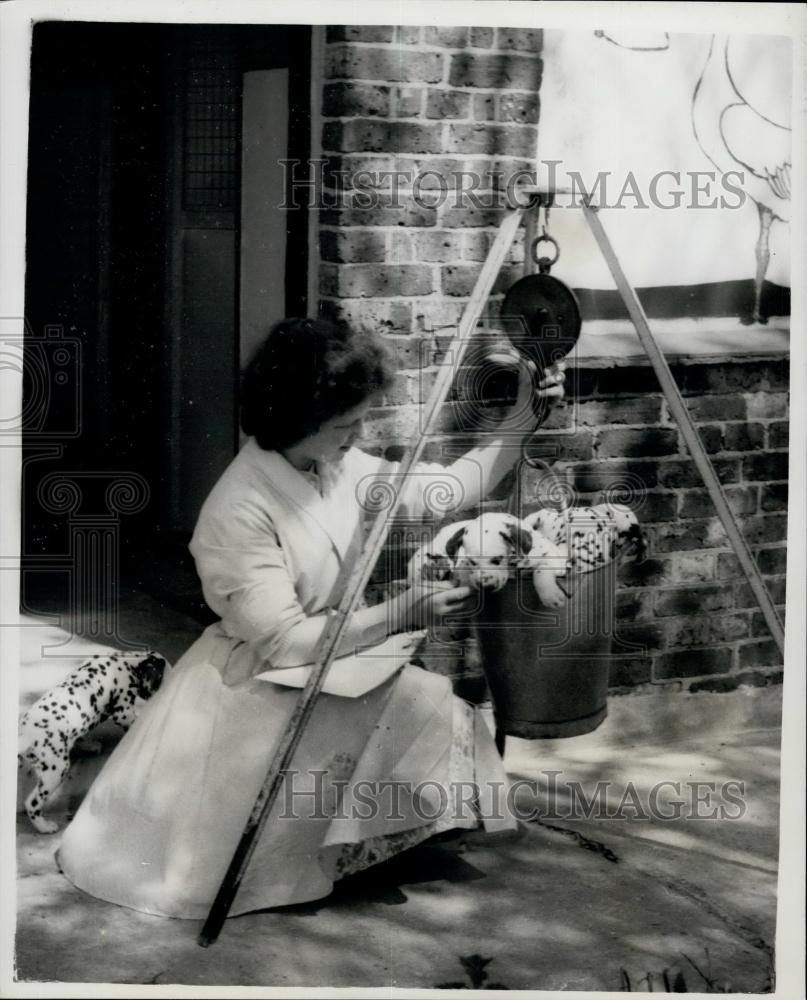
[479, 553]
[108, 686]
[594, 535]
[586, 537]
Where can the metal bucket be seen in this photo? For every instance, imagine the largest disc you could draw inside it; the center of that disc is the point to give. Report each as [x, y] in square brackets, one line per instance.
[547, 670]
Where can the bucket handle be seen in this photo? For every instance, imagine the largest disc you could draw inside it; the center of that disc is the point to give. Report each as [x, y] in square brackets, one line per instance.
[560, 491]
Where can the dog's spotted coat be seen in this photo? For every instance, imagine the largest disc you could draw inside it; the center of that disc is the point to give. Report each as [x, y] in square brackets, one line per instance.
[108, 686]
[554, 544]
[593, 536]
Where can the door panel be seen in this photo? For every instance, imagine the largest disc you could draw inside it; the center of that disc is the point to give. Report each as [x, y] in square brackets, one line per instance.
[264, 144]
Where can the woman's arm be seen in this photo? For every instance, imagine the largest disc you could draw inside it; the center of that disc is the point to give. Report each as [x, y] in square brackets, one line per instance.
[482, 469]
[247, 581]
[416, 607]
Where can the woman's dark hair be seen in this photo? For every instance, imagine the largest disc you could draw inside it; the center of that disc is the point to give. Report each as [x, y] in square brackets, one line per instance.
[304, 373]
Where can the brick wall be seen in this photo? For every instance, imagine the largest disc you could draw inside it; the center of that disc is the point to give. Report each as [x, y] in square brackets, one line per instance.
[444, 109]
[464, 101]
[689, 604]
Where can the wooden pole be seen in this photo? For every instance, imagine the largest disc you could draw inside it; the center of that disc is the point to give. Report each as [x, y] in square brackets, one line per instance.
[688, 431]
[329, 643]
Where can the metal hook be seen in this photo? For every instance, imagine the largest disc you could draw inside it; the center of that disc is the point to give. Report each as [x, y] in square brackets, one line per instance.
[544, 263]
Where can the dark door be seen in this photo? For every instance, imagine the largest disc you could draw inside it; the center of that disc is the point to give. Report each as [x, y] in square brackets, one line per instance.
[133, 251]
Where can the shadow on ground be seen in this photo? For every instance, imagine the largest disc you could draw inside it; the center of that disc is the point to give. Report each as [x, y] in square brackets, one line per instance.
[573, 902]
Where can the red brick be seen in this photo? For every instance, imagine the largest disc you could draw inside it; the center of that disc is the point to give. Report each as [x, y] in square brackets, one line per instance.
[407, 214]
[359, 33]
[653, 508]
[693, 567]
[522, 39]
[688, 536]
[744, 596]
[734, 377]
[408, 34]
[616, 476]
[778, 434]
[479, 241]
[639, 637]
[346, 99]
[743, 437]
[629, 671]
[381, 316]
[470, 215]
[758, 624]
[692, 663]
[626, 380]
[408, 102]
[459, 279]
[706, 630]
[507, 140]
[638, 410]
[384, 280]
[764, 528]
[634, 605]
[520, 108]
[767, 405]
[728, 566]
[693, 600]
[756, 467]
[353, 62]
[772, 561]
[716, 408]
[574, 446]
[438, 246]
[501, 72]
[649, 573]
[482, 38]
[636, 443]
[683, 472]
[447, 104]
[698, 503]
[711, 436]
[352, 246]
[773, 497]
[760, 654]
[484, 106]
[367, 135]
[449, 37]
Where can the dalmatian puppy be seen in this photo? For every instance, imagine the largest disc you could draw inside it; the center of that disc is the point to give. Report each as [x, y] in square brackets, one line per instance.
[479, 553]
[108, 686]
[548, 562]
[431, 563]
[486, 550]
[593, 535]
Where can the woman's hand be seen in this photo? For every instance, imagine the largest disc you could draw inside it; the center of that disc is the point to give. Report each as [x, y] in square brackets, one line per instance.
[425, 605]
[525, 415]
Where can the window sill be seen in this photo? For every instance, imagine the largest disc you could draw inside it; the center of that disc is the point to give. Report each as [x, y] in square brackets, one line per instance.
[605, 343]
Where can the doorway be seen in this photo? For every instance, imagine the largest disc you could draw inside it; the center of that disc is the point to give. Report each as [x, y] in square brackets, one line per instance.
[136, 257]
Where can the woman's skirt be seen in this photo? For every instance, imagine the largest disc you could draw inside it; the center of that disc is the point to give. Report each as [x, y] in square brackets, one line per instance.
[372, 776]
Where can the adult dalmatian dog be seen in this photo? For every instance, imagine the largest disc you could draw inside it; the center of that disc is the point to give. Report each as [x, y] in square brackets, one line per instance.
[108, 686]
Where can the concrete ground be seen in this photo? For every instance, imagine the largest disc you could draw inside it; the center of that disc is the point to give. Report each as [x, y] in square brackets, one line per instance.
[615, 900]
